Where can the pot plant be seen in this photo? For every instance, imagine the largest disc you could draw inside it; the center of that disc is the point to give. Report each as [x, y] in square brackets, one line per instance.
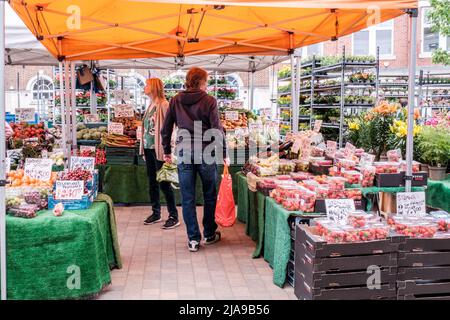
[434, 146]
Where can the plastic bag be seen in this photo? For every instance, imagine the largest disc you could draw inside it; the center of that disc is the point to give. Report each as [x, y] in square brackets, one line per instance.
[168, 173]
[225, 207]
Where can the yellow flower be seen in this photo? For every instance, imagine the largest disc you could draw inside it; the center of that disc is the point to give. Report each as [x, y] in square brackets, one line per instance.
[417, 130]
[354, 126]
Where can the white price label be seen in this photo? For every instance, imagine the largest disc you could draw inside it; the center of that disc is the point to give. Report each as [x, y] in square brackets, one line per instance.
[232, 115]
[366, 160]
[123, 111]
[25, 114]
[69, 190]
[411, 203]
[120, 95]
[85, 163]
[115, 128]
[40, 169]
[338, 209]
[87, 148]
[91, 118]
[331, 148]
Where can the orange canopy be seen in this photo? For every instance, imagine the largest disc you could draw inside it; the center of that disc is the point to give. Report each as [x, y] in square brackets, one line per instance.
[121, 29]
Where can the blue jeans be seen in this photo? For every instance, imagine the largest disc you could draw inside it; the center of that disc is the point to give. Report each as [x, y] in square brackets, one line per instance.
[187, 174]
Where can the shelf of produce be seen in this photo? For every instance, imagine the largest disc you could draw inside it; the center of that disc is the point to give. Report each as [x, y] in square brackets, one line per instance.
[436, 85]
[326, 106]
[393, 84]
[285, 93]
[396, 96]
[284, 79]
[346, 65]
[358, 105]
[284, 106]
[329, 125]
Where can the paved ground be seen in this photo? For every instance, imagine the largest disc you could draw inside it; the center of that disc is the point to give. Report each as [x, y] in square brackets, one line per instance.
[157, 264]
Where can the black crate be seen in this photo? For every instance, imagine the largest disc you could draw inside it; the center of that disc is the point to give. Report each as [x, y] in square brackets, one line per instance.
[307, 238]
[418, 297]
[346, 279]
[424, 259]
[305, 292]
[424, 244]
[423, 288]
[423, 273]
[320, 207]
[120, 151]
[390, 179]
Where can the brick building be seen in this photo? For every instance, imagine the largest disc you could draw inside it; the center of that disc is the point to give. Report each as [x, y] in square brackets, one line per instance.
[391, 37]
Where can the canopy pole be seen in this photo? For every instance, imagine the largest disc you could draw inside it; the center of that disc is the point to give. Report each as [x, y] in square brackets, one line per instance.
[296, 101]
[73, 104]
[68, 109]
[215, 84]
[63, 110]
[18, 90]
[2, 156]
[252, 90]
[411, 93]
[108, 103]
[293, 93]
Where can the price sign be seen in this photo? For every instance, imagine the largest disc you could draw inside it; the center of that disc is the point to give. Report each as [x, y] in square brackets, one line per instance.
[366, 160]
[122, 95]
[297, 145]
[124, 111]
[40, 169]
[87, 148]
[317, 125]
[305, 147]
[411, 203]
[25, 114]
[338, 209]
[232, 115]
[331, 148]
[91, 118]
[69, 190]
[85, 163]
[115, 128]
[350, 148]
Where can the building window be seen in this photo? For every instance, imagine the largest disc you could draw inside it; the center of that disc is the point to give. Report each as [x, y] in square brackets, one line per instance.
[313, 49]
[41, 88]
[430, 39]
[381, 36]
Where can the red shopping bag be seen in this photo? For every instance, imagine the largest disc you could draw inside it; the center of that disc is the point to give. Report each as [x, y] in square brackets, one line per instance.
[225, 207]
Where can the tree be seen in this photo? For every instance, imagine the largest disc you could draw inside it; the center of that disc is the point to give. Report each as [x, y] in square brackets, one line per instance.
[439, 16]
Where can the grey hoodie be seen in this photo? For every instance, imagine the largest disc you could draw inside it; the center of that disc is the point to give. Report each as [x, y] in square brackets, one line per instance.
[186, 108]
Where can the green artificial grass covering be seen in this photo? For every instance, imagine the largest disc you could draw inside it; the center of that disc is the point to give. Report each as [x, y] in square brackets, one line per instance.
[438, 194]
[44, 253]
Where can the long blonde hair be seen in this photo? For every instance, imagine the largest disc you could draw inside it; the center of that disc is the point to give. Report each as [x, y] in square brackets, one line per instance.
[156, 88]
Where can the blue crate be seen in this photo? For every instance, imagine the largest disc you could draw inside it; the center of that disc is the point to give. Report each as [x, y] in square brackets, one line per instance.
[84, 203]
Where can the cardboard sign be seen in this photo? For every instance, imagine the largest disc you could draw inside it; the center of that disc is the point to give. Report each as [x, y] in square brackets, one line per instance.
[338, 209]
[232, 115]
[87, 148]
[122, 95]
[123, 111]
[115, 128]
[367, 159]
[317, 125]
[25, 114]
[69, 190]
[411, 203]
[91, 118]
[85, 163]
[40, 169]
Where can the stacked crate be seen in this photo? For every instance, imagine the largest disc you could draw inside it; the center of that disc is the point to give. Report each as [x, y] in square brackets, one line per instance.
[424, 269]
[326, 271]
[120, 155]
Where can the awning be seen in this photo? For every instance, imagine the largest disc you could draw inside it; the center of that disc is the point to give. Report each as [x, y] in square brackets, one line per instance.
[121, 29]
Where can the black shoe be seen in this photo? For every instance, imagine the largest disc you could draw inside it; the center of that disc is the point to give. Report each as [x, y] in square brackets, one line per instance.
[171, 223]
[193, 245]
[215, 238]
[153, 219]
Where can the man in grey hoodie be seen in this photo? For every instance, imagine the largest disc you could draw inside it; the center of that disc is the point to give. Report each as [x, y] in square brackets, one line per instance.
[200, 145]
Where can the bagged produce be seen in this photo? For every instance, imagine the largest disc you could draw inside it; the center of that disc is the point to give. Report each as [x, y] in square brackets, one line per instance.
[168, 172]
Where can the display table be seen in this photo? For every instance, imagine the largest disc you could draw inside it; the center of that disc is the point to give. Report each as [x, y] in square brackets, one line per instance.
[46, 254]
[438, 194]
[128, 184]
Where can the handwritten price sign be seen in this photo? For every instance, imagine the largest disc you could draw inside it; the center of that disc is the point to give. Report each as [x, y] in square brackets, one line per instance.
[232, 115]
[91, 118]
[411, 204]
[40, 169]
[124, 111]
[338, 209]
[85, 163]
[25, 114]
[115, 128]
[69, 190]
[87, 148]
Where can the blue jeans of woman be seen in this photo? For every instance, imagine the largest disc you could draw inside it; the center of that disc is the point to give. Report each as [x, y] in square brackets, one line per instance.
[187, 175]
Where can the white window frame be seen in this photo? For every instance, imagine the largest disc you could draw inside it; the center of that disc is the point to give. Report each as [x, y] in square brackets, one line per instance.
[442, 38]
[304, 50]
[373, 43]
[33, 81]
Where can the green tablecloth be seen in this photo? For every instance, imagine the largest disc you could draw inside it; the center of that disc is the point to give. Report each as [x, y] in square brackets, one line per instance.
[128, 184]
[438, 194]
[44, 253]
[242, 198]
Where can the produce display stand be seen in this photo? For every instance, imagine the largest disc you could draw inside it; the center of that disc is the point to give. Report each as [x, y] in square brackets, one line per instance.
[433, 93]
[393, 88]
[44, 252]
[279, 37]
